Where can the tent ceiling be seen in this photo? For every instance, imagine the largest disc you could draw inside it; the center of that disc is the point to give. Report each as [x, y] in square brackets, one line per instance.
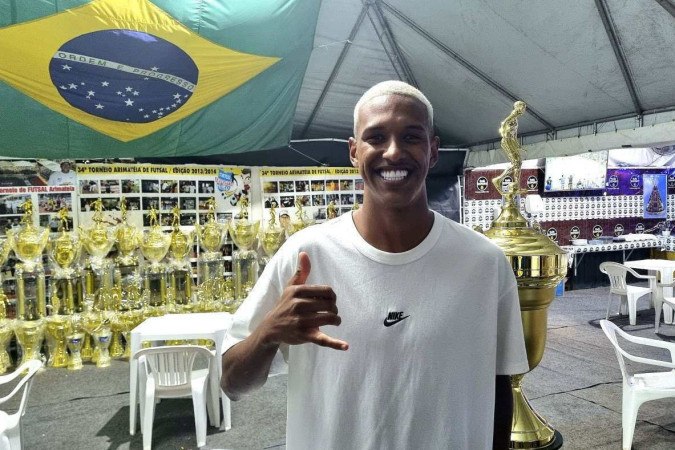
[571, 62]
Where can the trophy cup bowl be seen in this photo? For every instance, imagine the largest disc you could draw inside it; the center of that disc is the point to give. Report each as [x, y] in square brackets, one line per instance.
[102, 337]
[211, 236]
[97, 240]
[271, 239]
[29, 335]
[6, 334]
[243, 233]
[181, 244]
[75, 341]
[57, 330]
[128, 240]
[155, 245]
[28, 244]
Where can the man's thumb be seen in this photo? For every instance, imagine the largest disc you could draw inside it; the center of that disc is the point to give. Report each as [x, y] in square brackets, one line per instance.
[302, 273]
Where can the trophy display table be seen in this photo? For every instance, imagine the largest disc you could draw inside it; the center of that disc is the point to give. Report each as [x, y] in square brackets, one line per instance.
[212, 326]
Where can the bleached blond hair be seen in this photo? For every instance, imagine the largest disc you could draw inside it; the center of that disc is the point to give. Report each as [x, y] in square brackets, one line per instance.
[395, 87]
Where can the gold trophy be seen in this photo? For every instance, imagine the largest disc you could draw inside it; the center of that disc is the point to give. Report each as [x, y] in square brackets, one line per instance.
[75, 341]
[64, 251]
[244, 260]
[301, 220]
[539, 265]
[210, 268]
[97, 241]
[154, 247]
[6, 325]
[271, 238]
[331, 210]
[28, 244]
[126, 275]
[180, 269]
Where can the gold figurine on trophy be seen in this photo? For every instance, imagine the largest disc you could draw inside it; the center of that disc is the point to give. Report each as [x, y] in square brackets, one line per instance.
[508, 130]
[301, 220]
[539, 265]
[271, 238]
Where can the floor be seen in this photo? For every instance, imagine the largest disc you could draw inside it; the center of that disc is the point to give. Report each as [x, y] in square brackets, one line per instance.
[576, 387]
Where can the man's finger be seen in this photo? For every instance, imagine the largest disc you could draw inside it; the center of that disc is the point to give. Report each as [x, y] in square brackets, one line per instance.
[319, 338]
[302, 273]
[320, 319]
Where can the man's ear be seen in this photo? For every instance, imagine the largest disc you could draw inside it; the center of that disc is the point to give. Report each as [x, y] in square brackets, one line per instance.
[433, 156]
[352, 152]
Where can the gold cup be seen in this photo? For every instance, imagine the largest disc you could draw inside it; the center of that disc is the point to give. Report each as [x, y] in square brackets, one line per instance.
[244, 260]
[57, 327]
[29, 335]
[154, 247]
[75, 341]
[5, 248]
[181, 269]
[539, 265]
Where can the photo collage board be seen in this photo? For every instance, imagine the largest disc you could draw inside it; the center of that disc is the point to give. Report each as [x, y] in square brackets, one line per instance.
[147, 186]
[314, 188]
[47, 202]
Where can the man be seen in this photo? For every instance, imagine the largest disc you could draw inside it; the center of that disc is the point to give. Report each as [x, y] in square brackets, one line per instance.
[64, 177]
[424, 312]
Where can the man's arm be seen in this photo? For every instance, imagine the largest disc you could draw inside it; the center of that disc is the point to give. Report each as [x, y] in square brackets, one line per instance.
[295, 319]
[503, 413]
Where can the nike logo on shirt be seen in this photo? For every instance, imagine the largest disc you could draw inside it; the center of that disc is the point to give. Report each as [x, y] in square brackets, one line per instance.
[394, 317]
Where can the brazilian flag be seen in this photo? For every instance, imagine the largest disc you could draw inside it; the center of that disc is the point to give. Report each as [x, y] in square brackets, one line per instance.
[130, 78]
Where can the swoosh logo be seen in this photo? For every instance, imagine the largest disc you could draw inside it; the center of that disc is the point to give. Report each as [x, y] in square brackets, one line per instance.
[388, 323]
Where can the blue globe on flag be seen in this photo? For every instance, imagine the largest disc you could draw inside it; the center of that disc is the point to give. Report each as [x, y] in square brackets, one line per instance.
[123, 75]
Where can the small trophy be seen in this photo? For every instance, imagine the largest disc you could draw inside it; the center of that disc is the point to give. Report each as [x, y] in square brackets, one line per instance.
[210, 263]
[244, 260]
[271, 238]
[6, 325]
[28, 244]
[180, 273]
[301, 220]
[154, 247]
[75, 341]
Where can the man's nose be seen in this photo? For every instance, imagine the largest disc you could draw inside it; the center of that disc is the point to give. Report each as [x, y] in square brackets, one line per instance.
[394, 150]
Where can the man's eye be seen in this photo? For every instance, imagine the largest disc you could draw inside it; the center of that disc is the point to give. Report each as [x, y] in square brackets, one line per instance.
[413, 138]
[374, 139]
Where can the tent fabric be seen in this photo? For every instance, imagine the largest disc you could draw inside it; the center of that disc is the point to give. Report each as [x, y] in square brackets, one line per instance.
[573, 63]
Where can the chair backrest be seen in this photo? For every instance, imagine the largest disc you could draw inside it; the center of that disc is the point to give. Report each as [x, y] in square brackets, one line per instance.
[171, 365]
[610, 330]
[27, 371]
[617, 276]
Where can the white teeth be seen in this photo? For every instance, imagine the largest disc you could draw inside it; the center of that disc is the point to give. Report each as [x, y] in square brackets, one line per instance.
[393, 175]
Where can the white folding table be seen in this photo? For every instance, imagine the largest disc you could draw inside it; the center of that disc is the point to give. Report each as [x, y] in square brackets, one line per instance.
[212, 326]
[664, 268]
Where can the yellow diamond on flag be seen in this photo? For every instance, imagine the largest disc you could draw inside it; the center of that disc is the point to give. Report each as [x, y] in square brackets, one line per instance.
[122, 67]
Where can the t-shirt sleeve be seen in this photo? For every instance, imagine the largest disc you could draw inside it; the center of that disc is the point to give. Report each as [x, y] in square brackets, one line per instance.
[511, 352]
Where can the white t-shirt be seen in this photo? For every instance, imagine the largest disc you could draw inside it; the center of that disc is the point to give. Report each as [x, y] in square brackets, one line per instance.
[59, 178]
[428, 329]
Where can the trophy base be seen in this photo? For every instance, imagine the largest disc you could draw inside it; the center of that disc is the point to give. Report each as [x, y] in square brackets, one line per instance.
[555, 444]
[528, 429]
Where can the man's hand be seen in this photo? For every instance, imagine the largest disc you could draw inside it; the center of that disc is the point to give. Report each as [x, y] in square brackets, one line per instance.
[301, 310]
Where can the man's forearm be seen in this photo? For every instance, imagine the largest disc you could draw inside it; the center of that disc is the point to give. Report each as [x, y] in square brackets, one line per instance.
[246, 366]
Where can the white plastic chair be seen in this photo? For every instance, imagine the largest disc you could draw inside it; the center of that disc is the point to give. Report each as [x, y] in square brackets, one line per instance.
[167, 372]
[670, 301]
[640, 387]
[629, 294]
[11, 423]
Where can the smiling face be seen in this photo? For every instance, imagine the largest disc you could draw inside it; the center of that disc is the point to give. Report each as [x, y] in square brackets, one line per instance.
[394, 149]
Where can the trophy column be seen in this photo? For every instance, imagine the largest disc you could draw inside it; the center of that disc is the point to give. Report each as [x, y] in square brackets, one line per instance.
[6, 325]
[244, 259]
